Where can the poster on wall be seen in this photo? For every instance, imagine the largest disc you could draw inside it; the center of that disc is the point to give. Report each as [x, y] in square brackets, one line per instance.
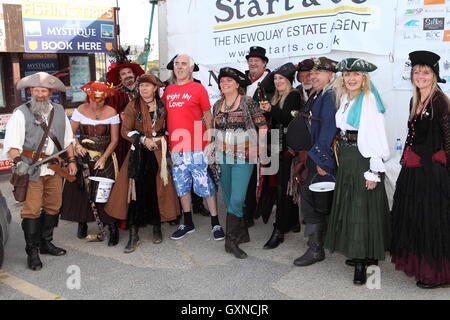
[5, 163]
[40, 63]
[285, 28]
[421, 25]
[57, 27]
[79, 75]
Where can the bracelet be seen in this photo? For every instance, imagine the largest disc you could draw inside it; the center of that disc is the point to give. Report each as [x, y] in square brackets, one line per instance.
[73, 160]
[71, 157]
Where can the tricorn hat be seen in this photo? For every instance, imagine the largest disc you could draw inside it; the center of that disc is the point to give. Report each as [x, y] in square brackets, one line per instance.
[355, 64]
[427, 58]
[304, 65]
[237, 75]
[287, 70]
[122, 61]
[41, 79]
[259, 52]
[171, 63]
[98, 91]
[324, 64]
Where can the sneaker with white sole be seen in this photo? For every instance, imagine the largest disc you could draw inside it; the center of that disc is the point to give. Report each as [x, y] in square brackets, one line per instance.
[218, 233]
[181, 232]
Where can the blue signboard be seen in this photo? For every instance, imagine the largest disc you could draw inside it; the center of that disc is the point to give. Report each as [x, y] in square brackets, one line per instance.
[50, 27]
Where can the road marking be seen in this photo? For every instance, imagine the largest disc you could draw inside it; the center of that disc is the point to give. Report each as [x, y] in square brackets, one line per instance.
[27, 288]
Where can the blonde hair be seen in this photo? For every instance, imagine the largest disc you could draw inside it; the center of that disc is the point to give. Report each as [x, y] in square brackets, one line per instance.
[277, 97]
[416, 91]
[340, 89]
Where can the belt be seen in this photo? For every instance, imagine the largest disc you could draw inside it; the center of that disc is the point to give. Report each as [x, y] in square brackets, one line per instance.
[32, 154]
[350, 136]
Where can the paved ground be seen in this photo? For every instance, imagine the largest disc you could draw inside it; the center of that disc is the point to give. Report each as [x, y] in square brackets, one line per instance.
[196, 267]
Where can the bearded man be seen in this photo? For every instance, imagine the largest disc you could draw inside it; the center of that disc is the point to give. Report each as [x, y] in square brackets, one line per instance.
[37, 130]
[122, 74]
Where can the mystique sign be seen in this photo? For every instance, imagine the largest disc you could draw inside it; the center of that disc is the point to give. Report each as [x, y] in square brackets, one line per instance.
[51, 27]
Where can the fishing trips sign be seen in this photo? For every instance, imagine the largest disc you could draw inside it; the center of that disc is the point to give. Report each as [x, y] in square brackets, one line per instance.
[51, 27]
[286, 28]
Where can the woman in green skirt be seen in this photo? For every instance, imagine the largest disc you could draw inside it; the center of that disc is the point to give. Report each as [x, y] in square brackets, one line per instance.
[358, 226]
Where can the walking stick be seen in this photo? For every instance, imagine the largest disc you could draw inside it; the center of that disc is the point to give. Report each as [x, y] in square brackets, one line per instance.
[102, 234]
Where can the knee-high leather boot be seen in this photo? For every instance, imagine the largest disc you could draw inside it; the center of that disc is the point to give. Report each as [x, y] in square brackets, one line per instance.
[49, 222]
[232, 235]
[315, 252]
[32, 231]
[113, 234]
[133, 228]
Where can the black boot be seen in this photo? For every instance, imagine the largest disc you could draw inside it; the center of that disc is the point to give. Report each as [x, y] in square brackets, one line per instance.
[315, 252]
[370, 262]
[32, 231]
[82, 230]
[175, 222]
[157, 234]
[248, 217]
[231, 236]
[244, 237]
[360, 276]
[113, 234]
[133, 240]
[49, 222]
[276, 238]
[198, 206]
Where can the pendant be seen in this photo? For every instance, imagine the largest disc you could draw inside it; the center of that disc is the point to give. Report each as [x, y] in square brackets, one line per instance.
[154, 133]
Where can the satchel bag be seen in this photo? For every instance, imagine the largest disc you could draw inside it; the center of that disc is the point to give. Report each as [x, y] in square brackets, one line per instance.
[20, 184]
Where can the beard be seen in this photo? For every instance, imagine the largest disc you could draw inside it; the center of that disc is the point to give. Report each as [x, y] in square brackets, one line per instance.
[307, 86]
[40, 107]
[128, 82]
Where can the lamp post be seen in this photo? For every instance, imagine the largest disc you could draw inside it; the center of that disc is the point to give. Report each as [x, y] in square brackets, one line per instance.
[147, 44]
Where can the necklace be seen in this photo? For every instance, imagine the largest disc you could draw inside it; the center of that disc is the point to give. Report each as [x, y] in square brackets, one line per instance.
[227, 107]
[347, 104]
[155, 115]
[97, 114]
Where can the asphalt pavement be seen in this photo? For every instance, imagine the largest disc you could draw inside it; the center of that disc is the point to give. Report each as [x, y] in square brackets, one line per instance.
[194, 268]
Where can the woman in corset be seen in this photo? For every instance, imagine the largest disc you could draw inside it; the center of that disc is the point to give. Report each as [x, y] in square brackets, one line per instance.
[99, 133]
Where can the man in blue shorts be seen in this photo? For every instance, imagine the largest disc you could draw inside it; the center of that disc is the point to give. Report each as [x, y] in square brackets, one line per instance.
[188, 118]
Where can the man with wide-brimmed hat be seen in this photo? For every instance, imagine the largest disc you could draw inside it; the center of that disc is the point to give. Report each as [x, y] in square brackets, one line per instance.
[122, 74]
[304, 77]
[321, 161]
[257, 71]
[26, 143]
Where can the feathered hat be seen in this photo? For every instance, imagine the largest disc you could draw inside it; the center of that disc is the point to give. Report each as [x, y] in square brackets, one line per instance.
[122, 61]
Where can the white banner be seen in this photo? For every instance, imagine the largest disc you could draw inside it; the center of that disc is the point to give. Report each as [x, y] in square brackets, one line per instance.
[421, 25]
[224, 30]
[2, 30]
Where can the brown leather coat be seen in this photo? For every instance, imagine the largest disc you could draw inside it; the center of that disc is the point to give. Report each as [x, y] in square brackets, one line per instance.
[168, 203]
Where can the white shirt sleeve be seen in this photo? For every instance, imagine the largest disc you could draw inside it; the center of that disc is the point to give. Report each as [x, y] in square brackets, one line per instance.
[76, 116]
[115, 119]
[68, 134]
[15, 133]
[372, 140]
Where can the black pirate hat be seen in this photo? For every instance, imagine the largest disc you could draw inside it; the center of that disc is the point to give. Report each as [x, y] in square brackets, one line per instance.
[427, 58]
[237, 75]
[259, 52]
[171, 63]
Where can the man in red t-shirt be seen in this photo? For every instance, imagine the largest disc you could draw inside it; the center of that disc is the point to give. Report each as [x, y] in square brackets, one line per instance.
[188, 118]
